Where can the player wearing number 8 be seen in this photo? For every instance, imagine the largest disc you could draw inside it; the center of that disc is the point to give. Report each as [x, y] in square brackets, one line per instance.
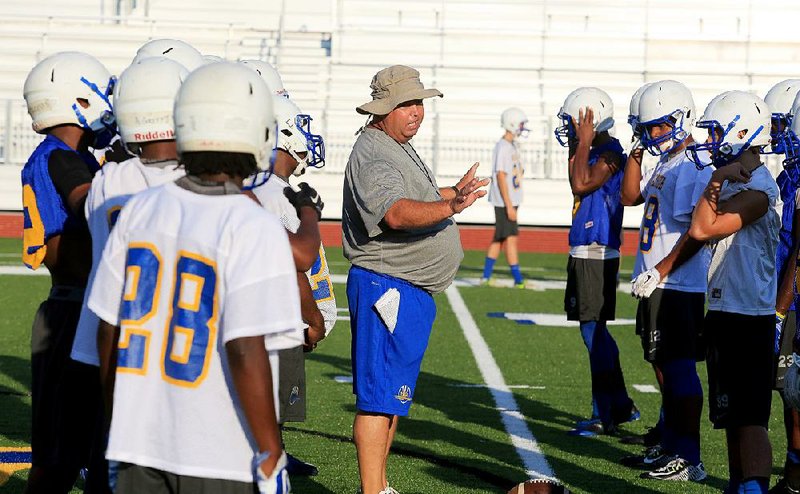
[186, 311]
[670, 314]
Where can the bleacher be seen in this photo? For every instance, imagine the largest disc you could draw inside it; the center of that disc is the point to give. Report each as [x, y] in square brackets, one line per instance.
[484, 56]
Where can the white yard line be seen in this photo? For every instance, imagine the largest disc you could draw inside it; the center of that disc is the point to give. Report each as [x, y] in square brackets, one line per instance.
[536, 465]
[645, 388]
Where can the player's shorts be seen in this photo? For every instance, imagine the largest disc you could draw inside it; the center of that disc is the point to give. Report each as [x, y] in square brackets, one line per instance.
[66, 399]
[292, 385]
[591, 293]
[670, 323]
[785, 358]
[503, 227]
[135, 479]
[740, 370]
[386, 364]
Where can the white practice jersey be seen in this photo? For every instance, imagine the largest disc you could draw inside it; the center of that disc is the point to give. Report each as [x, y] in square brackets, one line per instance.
[741, 277]
[271, 197]
[505, 158]
[670, 192]
[111, 188]
[182, 274]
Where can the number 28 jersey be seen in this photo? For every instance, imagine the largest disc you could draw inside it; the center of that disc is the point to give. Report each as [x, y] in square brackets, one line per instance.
[670, 193]
[182, 274]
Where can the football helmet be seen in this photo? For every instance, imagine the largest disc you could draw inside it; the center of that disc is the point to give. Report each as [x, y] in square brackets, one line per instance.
[633, 111]
[225, 107]
[174, 49]
[295, 135]
[144, 99]
[513, 120]
[780, 99]
[791, 145]
[667, 102]
[584, 97]
[269, 74]
[54, 87]
[207, 59]
[736, 121]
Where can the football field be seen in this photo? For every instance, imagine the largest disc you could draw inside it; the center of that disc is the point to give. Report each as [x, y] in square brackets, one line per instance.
[463, 435]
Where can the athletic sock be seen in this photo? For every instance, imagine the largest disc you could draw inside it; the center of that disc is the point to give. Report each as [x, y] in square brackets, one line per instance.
[754, 485]
[515, 272]
[488, 267]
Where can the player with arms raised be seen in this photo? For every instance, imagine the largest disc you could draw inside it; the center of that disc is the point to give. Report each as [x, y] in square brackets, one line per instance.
[177, 279]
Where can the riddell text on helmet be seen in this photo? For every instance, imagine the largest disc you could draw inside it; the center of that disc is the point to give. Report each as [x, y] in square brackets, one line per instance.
[153, 136]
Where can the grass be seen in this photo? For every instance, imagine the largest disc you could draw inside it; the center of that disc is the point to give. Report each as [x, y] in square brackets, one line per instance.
[453, 440]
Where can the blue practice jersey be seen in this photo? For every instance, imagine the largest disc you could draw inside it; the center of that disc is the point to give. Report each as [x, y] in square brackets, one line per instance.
[45, 214]
[597, 217]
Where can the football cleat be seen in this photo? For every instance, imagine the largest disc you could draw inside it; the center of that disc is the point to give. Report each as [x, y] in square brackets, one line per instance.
[649, 439]
[677, 469]
[295, 466]
[651, 458]
[783, 487]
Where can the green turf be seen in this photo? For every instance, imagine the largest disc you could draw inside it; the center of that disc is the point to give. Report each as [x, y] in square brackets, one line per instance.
[454, 440]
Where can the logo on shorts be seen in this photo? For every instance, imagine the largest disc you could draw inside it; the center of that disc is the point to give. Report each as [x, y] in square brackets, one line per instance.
[722, 401]
[573, 302]
[403, 394]
[588, 224]
[294, 396]
[716, 293]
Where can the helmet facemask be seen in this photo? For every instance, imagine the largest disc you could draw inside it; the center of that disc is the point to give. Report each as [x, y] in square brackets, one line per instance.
[668, 141]
[566, 131]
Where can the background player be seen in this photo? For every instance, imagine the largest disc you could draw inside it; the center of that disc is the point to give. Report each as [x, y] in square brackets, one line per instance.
[67, 95]
[506, 194]
[595, 174]
[737, 212]
[670, 315]
[296, 149]
[177, 269]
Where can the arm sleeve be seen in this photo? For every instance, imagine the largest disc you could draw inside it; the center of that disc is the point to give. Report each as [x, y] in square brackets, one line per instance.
[67, 171]
[379, 186]
[261, 296]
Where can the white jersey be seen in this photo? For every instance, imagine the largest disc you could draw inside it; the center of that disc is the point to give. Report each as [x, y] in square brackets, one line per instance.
[111, 188]
[670, 192]
[182, 274]
[271, 197]
[505, 158]
[741, 277]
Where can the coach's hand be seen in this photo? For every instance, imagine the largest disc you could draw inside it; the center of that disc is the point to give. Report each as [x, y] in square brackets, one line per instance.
[645, 284]
[468, 190]
[305, 197]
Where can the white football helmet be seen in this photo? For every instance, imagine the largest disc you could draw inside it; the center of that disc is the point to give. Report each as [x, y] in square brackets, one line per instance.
[513, 120]
[225, 107]
[269, 74]
[580, 99]
[54, 86]
[666, 102]
[144, 100]
[780, 99]
[174, 49]
[295, 137]
[633, 111]
[742, 121]
[790, 144]
[207, 59]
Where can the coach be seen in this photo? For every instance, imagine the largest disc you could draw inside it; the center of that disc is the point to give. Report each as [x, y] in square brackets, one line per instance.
[404, 246]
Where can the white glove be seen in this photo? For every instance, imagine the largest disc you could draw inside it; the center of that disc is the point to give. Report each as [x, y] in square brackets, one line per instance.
[791, 383]
[645, 284]
[278, 482]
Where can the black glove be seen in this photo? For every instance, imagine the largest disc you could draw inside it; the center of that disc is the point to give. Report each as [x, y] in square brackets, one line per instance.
[305, 197]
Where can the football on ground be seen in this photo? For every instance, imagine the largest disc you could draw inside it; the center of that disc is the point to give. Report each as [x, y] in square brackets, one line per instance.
[539, 486]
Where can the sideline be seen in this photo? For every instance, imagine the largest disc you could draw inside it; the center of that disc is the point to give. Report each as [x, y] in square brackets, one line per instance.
[536, 465]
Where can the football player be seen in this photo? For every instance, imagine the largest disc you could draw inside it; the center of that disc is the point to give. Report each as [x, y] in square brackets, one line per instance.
[670, 313]
[185, 311]
[68, 98]
[296, 149]
[595, 175]
[781, 101]
[736, 213]
[143, 100]
[505, 194]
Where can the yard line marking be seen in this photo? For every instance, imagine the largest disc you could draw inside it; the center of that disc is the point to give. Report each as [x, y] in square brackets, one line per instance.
[513, 386]
[22, 270]
[536, 465]
[544, 319]
[645, 388]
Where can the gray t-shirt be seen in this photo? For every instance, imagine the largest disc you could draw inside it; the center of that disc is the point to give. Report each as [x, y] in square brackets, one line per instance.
[380, 172]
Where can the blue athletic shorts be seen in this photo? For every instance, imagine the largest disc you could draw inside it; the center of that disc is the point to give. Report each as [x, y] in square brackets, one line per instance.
[386, 365]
